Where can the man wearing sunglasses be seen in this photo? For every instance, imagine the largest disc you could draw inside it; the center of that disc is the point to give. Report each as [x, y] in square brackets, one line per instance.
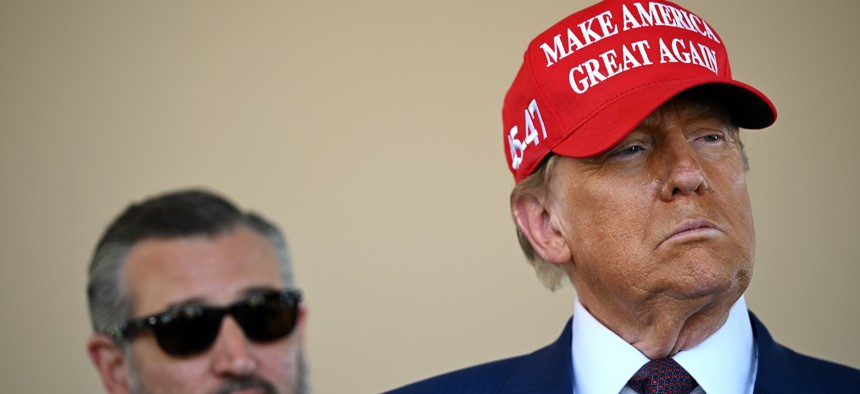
[187, 294]
[621, 132]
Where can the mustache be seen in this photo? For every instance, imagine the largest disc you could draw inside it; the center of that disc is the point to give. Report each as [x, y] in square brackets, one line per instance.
[246, 382]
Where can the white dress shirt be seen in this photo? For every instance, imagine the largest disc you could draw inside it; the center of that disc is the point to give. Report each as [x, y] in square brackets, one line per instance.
[724, 363]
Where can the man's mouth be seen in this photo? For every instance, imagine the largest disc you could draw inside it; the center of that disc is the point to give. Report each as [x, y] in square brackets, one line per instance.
[692, 229]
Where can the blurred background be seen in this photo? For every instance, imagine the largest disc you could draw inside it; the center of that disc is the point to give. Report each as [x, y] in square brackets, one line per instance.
[371, 132]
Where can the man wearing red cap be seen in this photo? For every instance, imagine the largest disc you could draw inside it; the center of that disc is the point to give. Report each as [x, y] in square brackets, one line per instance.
[621, 131]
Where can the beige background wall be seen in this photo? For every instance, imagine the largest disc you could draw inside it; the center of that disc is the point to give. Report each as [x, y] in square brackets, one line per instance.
[370, 130]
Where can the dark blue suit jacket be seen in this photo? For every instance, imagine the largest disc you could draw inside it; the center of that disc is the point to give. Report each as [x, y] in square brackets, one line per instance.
[549, 370]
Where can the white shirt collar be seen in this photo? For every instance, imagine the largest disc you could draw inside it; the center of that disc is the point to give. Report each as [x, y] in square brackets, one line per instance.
[603, 362]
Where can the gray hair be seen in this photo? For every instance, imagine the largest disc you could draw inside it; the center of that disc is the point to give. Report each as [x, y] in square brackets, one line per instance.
[172, 215]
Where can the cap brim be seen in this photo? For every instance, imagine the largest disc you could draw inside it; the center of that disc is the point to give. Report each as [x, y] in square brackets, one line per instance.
[749, 108]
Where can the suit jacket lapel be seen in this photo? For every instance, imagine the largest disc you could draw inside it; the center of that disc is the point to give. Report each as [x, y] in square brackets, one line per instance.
[780, 370]
[547, 370]
[550, 369]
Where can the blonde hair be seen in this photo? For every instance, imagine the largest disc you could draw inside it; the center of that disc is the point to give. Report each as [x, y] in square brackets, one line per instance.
[536, 186]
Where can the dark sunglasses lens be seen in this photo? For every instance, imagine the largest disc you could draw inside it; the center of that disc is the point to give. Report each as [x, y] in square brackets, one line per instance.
[267, 318]
[190, 329]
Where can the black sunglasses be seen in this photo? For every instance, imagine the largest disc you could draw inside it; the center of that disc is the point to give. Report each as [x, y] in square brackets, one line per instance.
[189, 329]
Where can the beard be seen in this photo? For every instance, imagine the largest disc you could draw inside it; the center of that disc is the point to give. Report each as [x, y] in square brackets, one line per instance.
[246, 382]
[231, 384]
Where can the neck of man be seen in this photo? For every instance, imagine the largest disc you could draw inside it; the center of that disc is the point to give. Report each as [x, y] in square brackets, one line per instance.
[662, 326]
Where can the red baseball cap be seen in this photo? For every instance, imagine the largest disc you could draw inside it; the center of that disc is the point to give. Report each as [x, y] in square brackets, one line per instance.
[589, 80]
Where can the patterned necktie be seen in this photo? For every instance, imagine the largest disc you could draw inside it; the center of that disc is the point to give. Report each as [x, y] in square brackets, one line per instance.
[662, 377]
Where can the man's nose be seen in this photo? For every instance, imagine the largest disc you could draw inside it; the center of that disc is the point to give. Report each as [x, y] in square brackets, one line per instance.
[232, 353]
[683, 171]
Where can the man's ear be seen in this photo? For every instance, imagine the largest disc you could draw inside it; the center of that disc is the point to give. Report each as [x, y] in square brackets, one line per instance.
[536, 223]
[109, 360]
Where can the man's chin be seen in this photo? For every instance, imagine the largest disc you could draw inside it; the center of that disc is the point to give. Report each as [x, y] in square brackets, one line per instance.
[255, 390]
[701, 277]
[246, 385]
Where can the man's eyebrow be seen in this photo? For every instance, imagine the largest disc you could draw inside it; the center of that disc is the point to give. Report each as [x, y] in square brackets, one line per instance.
[202, 300]
[187, 301]
[256, 289]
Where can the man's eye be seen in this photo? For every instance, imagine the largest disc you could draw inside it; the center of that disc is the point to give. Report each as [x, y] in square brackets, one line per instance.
[712, 137]
[628, 151]
[631, 150]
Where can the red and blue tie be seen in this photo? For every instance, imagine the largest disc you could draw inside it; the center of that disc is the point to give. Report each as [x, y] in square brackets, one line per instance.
[662, 377]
